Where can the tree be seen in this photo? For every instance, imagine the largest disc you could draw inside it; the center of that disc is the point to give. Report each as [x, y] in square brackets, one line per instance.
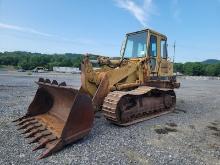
[210, 70]
[178, 67]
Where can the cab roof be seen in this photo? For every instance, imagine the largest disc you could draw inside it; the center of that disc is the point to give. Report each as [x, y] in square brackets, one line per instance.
[147, 30]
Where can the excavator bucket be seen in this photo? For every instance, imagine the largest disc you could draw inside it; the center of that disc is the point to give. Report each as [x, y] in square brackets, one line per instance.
[57, 116]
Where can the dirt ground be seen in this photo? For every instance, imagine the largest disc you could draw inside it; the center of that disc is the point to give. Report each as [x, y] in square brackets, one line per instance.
[189, 135]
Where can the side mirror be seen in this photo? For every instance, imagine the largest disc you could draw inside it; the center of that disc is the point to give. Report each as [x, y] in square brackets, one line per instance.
[122, 48]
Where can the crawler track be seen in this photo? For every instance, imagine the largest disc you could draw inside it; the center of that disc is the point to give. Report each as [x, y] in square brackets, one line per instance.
[143, 103]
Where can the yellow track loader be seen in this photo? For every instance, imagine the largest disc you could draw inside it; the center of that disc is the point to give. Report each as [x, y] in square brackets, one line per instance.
[136, 87]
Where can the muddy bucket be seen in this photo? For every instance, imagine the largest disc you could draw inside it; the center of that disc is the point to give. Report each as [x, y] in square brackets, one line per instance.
[57, 116]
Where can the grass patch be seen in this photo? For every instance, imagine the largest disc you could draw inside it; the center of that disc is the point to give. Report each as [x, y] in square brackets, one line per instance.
[29, 73]
[164, 130]
[213, 128]
[171, 124]
[7, 67]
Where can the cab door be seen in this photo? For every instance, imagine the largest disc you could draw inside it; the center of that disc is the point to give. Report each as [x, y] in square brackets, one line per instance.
[153, 52]
[164, 66]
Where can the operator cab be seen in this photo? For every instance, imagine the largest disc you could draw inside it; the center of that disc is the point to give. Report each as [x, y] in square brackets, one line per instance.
[136, 45]
[145, 43]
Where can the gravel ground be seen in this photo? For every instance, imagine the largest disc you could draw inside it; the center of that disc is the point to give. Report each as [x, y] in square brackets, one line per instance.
[190, 135]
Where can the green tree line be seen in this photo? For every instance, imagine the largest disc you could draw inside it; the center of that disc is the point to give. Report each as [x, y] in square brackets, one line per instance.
[198, 69]
[29, 61]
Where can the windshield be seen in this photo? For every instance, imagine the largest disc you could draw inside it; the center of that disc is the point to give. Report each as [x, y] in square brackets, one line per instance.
[136, 45]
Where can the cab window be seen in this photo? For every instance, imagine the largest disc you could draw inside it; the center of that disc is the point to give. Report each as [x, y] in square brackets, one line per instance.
[136, 45]
[163, 49]
[153, 46]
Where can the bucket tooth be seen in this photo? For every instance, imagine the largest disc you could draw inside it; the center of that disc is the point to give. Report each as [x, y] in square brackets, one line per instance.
[40, 135]
[45, 154]
[54, 146]
[24, 121]
[35, 131]
[47, 81]
[54, 82]
[45, 142]
[30, 128]
[19, 119]
[62, 84]
[41, 79]
[20, 128]
[28, 123]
